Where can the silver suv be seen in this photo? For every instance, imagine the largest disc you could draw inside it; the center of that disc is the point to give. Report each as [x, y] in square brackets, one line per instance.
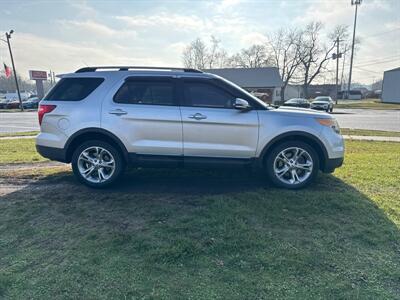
[103, 119]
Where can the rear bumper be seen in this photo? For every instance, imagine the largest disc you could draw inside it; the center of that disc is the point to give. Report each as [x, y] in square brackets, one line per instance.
[331, 164]
[58, 154]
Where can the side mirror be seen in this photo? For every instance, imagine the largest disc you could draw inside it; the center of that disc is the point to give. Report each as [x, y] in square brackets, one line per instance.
[241, 104]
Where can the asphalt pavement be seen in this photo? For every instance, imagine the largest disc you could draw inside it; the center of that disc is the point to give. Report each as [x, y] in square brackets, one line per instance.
[388, 120]
[11, 122]
[373, 119]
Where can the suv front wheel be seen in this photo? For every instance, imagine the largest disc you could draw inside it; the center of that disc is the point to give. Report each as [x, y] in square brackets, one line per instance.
[292, 165]
[97, 164]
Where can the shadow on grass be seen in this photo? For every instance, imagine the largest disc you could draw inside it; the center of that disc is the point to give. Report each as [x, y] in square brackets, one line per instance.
[177, 234]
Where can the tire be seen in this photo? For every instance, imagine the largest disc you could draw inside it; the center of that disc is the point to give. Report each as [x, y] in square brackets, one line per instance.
[276, 164]
[331, 110]
[102, 162]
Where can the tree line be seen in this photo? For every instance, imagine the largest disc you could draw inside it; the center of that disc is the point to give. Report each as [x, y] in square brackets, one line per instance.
[300, 54]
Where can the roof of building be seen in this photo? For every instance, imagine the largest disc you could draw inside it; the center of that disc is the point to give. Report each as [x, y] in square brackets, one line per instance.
[250, 77]
[395, 69]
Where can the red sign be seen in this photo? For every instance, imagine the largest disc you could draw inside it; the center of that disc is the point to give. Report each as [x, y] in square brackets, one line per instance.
[37, 75]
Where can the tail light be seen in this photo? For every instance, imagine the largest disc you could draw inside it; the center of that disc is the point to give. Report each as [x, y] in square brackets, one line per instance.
[44, 109]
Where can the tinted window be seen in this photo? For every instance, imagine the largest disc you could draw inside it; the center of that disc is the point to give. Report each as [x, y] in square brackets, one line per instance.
[73, 89]
[146, 92]
[203, 94]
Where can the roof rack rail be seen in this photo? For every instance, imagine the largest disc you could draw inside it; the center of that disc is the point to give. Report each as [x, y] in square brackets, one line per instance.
[126, 68]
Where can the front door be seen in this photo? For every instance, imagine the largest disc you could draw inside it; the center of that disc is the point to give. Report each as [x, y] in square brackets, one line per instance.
[212, 127]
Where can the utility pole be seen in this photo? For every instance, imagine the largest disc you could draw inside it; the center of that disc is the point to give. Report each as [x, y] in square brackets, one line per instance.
[336, 56]
[8, 36]
[342, 84]
[356, 3]
[337, 68]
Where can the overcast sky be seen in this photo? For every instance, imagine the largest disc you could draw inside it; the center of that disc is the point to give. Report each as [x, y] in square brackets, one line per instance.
[66, 35]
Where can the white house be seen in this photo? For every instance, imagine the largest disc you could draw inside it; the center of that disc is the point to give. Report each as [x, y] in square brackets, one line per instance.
[266, 82]
[391, 86]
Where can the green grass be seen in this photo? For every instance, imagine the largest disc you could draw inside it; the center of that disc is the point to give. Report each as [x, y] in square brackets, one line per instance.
[367, 104]
[367, 132]
[179, 234]
[24, 133]
[18, 150]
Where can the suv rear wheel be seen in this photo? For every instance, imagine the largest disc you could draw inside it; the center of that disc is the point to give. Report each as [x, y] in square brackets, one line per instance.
[97, 164]
[292, 165]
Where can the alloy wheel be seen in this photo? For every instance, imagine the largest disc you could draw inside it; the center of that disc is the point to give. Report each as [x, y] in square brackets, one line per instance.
[293, 165]
[96, 164]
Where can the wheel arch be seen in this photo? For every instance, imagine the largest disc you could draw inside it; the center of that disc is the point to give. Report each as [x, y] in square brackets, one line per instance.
[94, 134]
[305, 137]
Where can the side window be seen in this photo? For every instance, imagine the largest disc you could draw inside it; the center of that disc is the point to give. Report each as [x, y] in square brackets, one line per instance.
[146, 92]
[73, 89]
[202, 94]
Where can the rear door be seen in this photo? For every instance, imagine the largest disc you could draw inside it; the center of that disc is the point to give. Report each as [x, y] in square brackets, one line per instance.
[211, 126]
[144, 113]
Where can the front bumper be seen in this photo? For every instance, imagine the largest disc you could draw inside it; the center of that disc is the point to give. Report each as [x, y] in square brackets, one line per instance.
[319, 108]
[332, 163]
[57, 154]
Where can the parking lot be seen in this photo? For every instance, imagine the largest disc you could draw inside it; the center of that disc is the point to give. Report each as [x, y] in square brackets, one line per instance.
[388, 120]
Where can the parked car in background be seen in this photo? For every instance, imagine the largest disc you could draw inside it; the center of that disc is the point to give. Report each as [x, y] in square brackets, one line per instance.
[3, 102]
[297, 102]
[32, 102]
[14, 103]
[102, 122]
[323, 103]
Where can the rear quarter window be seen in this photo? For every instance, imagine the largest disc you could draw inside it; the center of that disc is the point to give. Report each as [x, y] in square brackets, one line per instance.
[73, 89]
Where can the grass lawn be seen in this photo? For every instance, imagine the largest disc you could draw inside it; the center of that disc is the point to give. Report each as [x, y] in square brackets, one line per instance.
[179, 234]
[366, 103]
[367, 132]
[18, 150]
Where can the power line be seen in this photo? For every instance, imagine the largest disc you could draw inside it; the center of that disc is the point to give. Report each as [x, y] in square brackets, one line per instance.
[379, 59]
[380, 33]
[365, 70]
[379, 62]
[376, 62]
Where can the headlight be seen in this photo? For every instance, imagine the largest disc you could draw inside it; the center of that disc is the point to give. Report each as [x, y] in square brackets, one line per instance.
[330, 123]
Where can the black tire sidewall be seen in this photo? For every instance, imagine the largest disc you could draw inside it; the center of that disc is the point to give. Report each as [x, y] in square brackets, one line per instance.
[269, 164]
[119, 163]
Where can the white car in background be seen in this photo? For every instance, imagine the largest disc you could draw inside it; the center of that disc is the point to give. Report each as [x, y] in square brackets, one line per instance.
[323, 103]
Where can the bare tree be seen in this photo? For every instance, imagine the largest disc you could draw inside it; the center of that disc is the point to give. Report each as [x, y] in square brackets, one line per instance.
[285, 51]
[314, 55]
[255, 56]
[196, 55]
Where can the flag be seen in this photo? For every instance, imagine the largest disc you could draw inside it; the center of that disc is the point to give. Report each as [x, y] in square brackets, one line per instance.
[7, 70]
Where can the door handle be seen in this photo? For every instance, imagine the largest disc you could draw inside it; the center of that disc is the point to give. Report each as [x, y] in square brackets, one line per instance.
[197, 116]
[117, 112]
